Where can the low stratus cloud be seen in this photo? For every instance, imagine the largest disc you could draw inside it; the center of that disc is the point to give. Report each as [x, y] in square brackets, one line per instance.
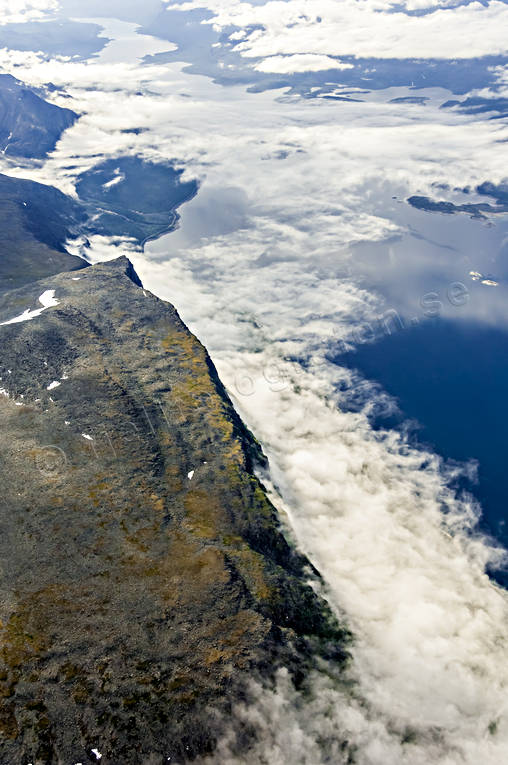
[263, 271]
[13, 11]
[428, 5]
[300, 62]
[369, 28]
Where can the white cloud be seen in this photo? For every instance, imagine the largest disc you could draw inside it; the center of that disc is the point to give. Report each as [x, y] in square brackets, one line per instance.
[365, 28]
[427, 5]
[431, 628]
[302, 62]
[263, 269]
[15, 11]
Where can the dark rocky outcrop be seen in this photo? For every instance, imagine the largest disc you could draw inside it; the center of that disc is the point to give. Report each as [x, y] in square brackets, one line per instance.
[480, 210]
[144, 575]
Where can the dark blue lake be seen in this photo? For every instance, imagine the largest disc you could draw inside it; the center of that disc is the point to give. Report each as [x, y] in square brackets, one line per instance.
[452, 377]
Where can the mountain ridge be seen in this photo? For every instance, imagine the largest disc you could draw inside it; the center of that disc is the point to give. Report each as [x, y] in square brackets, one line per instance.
[146, 579]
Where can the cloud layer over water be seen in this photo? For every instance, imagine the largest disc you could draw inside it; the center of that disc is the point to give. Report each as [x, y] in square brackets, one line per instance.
[12, 11]
[365, 28]
[263, 270]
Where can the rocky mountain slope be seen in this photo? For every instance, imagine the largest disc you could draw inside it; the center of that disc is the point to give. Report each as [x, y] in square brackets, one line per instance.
[127, 197]
[29, 125]
[144, 577]
[32, 245]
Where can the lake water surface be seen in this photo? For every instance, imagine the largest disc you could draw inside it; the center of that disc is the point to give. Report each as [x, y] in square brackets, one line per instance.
[441, 347]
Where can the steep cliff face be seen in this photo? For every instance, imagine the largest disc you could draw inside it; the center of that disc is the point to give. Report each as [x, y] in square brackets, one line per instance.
[144, 576]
